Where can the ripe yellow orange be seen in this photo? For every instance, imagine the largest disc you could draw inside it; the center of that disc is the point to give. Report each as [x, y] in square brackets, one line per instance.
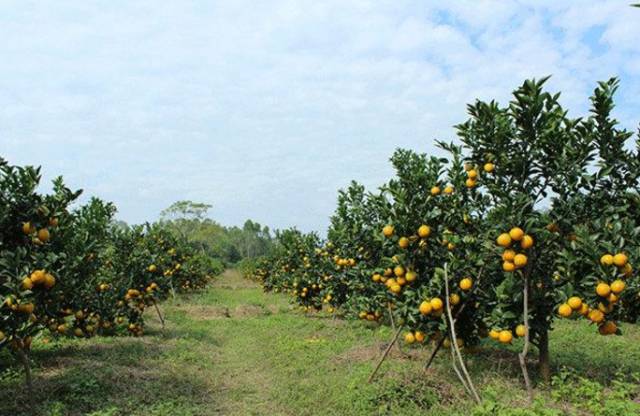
[425, 308]
[494, 334]
[470, 183]
[49, 281]
[376, 277]
[396, 288]
[575, 303]
[627, 270]
[520, 260]
[419, 336]
[411, 276]
[504, 240]
[450, 246]
[53, 222]
[584, 309]
[613, 298]
[435, 190]
[38, 277]
[608, 328]
[466, 283]
[401, 281]
[472, 174]
[605, 308]
[424, 231]
[454, 299]
[521, 330]
[606, 260]
[508, 255]
[508, 266]
[620, 259]
[387, 230]
[596, 316]
[488, 167]
[152, 268]
[43, 235]
[505, 336]
[617, 286]
[448, 189]
[27, 284]
[436, 304]
[565, 310]
[603, 289]
[27, 228]
[409, 338]
[403, 242]
[527, 242]
[398, 271]
[388, 272]
[516, 233]
[361, 315]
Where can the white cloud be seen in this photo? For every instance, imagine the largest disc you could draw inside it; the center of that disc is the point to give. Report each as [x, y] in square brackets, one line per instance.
[265, 108]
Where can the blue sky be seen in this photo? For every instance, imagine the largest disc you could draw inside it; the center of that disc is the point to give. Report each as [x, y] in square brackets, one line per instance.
[266, 108]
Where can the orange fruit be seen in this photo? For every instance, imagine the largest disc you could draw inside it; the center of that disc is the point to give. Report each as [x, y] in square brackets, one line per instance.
[488, 167]
[454, 299]
[27, 284]
[606, 260]
[575, 303]
[521, 330]
[411, 276]
[466, 283]
[508, 255]
[516, 233]
[435, 190]
[617, 286]
[494, 334]
[508, 266]
[505, 336]
[504, 240]
[527, 241]
[396, 288]
[398, 271]
[419, 336]
[424, 231]
[448, 189]
[403, 242]
[620, 259]
[520, 260]
[472, 174]
[43, 235]
[470, 183]
[603, 290]
[425, 308]
[49, 281]
[387, 230]
[608, 328]
[565, 310]
[409, 338]
[596, 316]
[436, 304]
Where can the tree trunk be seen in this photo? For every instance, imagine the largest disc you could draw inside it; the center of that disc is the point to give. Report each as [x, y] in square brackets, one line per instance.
[543, 360]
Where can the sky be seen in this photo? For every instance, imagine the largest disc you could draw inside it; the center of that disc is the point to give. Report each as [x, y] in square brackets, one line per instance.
[265, 109]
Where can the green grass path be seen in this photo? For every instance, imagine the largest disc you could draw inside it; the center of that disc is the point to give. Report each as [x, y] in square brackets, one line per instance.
[234, 350]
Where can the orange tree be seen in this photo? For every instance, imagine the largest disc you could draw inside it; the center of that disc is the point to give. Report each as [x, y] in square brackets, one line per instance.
[29, 280]
[550, 176]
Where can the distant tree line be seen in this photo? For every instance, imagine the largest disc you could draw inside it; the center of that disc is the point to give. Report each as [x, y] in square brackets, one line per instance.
[227, 244]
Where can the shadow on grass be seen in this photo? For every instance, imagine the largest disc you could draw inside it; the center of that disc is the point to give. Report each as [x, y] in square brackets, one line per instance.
[121, 376]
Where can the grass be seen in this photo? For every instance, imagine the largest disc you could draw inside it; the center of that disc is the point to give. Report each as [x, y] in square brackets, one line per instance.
[234, 350]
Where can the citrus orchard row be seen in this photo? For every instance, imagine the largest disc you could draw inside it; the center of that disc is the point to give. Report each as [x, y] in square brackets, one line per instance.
[533, 216]
[73, 272]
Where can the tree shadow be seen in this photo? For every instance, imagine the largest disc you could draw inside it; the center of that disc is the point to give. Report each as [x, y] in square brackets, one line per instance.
[120, 376]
